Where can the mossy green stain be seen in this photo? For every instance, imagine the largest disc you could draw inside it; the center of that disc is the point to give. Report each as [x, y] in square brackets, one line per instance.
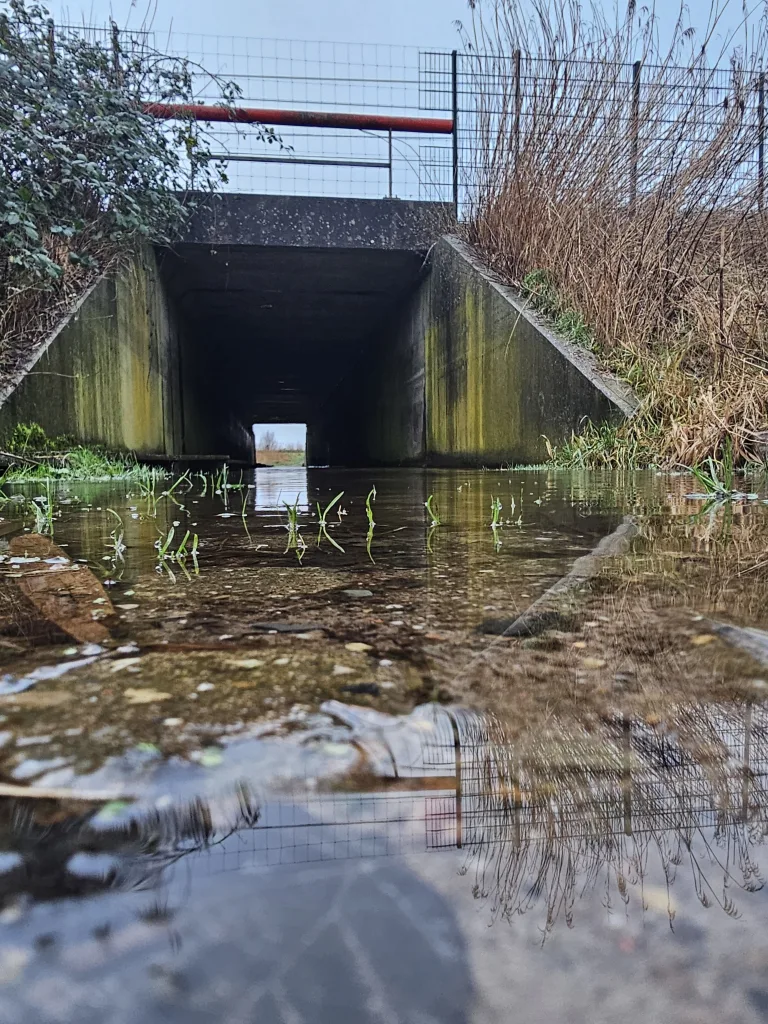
[103, 379]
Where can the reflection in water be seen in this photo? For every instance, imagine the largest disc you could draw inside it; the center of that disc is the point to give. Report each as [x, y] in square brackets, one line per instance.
[540, 820]
[274, 486]
[615, 755]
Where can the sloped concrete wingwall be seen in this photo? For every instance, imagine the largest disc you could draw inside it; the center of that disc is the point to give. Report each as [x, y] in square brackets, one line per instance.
[110, 374]
[498, 381]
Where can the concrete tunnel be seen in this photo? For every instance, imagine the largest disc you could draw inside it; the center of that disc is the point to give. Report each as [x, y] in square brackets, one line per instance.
[364, 319]
[294, 310]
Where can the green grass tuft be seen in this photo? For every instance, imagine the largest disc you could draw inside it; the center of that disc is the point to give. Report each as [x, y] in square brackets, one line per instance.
[60, 458]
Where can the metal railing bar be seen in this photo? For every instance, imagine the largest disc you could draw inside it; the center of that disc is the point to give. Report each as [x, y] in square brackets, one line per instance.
[329, 162]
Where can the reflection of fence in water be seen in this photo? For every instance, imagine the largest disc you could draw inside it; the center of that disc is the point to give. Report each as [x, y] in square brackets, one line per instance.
[465, 786]
[538, 819]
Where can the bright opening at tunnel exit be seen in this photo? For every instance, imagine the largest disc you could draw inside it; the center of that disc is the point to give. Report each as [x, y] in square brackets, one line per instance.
[280, 444]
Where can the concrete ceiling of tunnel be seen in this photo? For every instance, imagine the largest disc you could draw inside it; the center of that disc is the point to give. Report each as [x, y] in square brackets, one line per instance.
[292, 295]
[285, 325]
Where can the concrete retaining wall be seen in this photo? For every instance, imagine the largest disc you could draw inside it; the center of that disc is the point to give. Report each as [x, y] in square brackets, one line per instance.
[497, 379]
[392, 415]
[462, 373]
[109, 374]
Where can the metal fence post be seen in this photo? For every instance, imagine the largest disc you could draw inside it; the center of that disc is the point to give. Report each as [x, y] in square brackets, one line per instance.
[634, 128]
[455, 106]
[517, 63]
[389, 158]
[51, 42]
[116, 52]
[761, 141]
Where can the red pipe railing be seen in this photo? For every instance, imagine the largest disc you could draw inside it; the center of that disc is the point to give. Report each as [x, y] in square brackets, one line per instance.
[301, 118]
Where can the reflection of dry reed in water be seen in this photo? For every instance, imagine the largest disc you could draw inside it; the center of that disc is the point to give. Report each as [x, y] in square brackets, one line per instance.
[715, 559]
[638, 211]
[629, 742]
[557, 816]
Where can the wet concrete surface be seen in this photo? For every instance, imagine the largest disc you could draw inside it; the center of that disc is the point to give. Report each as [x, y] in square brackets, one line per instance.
[321, 785]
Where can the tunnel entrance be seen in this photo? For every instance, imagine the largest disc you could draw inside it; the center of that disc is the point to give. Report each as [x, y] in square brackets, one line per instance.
[280, 444]
[293, 311]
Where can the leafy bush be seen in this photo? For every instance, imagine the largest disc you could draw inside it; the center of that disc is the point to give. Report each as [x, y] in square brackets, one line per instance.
[28, 437]
[85, 175]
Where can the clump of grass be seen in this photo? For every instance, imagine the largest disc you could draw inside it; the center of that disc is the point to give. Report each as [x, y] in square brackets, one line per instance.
[147, 486]
[295, 541]
[169, 492]
[43, 510]
[322, 515]
[538, 287]
[59, 458]
[116, 542]
[178, 555]
[634, 219]
[496, 521]
[371, 524]
[608, 446]
[717, 478]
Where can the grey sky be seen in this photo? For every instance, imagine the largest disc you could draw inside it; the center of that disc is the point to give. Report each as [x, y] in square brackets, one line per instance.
[286, 433]
[405, 22]
[426, 23]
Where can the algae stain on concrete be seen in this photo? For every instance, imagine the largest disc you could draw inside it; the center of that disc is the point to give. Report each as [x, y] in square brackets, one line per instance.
[496, 380]
[106, 376]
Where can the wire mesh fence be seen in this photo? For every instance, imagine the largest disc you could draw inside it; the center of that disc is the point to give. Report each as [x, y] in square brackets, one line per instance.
[317, 76]
[649, 106]
[649, 121]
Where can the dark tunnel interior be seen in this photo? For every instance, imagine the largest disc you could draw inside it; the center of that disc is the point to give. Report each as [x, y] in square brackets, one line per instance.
[293, 334]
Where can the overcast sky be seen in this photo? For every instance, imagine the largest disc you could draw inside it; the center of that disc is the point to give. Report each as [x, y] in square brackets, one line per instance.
[415, 22]
[425, 23]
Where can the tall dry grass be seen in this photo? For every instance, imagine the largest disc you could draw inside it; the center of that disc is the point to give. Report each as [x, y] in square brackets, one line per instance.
[642, 211]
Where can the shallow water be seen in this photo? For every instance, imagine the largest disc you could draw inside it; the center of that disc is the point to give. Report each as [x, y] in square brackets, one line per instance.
[321, 784]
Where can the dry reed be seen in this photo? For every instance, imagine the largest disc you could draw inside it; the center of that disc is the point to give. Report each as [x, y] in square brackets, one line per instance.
[630, 191]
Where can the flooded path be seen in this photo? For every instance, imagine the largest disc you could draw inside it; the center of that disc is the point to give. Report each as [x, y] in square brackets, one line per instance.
[489, 746]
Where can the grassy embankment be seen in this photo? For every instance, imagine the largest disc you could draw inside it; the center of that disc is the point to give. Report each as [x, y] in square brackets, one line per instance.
[281, 457]
[29, 454]
[638, 228]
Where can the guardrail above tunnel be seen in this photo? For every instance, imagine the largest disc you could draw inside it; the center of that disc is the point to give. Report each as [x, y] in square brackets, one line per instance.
[356, 122]
[365, 121]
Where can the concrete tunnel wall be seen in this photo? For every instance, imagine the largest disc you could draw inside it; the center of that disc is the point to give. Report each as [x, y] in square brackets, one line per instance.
[110, 373]
[465, 374]
[498, 380]
[291, 304]
[398, 356]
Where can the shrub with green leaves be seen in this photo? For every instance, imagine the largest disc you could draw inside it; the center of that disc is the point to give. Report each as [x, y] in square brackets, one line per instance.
[85, 175]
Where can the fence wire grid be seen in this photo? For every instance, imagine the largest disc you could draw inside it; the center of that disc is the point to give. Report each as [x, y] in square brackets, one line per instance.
[410, 81]
[450, 784]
